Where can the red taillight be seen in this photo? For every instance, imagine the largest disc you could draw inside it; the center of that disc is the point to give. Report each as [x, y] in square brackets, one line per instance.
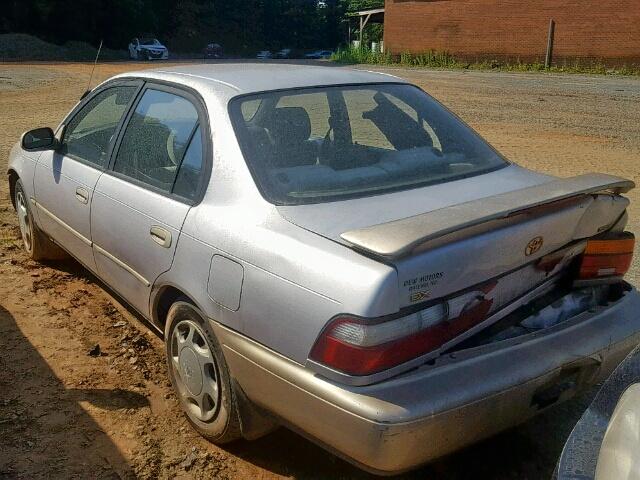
[607, 257]
[358, 346]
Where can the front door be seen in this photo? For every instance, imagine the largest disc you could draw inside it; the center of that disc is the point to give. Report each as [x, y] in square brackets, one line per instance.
[65, 178]
[140, 204]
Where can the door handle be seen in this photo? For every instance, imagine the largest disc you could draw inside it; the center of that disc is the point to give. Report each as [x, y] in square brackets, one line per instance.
[161, 236]
[82, 195]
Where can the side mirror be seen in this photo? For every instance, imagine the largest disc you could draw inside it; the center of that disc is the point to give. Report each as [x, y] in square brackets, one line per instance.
[39, 139]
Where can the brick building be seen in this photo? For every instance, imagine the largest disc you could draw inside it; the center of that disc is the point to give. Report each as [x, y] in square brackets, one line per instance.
[601, 30]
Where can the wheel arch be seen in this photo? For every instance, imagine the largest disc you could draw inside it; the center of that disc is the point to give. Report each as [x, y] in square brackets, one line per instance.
[13, 179]
[163, 297]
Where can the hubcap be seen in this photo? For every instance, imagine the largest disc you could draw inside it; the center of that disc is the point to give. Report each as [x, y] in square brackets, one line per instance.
[195, 370]
[26, 229]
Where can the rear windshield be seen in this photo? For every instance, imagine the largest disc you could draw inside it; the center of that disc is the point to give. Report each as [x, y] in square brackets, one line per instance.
[331, 143]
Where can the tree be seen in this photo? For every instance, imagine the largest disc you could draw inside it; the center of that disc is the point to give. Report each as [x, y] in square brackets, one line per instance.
[241, 26]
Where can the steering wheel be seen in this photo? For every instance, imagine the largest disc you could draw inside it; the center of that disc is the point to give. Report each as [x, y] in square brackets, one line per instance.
[171, 147]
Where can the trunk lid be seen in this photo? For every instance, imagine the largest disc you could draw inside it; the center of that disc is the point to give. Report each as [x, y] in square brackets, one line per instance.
[446, 238]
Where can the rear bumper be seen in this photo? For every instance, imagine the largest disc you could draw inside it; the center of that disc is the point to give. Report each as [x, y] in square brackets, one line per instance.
[411, 419]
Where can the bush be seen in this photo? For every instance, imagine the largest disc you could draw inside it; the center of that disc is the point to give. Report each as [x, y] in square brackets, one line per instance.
[353, 55]
[435, 59]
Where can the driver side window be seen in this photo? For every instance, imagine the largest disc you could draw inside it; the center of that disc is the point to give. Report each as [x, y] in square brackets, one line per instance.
[88, 134]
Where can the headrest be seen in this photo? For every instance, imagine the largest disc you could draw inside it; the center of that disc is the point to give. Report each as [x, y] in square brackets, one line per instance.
[291, 125]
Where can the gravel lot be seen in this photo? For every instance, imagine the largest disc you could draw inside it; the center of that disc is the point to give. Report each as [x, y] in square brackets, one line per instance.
[66, 414]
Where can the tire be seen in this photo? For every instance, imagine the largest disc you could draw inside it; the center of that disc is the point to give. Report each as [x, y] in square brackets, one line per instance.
[36, 243]
[195, 362]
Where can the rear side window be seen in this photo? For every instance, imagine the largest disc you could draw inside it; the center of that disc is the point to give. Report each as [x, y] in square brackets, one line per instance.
[186, 184]
[156, 141]
[88, 134]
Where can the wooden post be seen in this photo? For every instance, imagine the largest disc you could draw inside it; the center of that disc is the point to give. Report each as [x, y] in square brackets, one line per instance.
[549, 58]
[363, 23]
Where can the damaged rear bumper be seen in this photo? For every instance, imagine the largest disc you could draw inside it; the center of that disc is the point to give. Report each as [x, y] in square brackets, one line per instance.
[433, 410]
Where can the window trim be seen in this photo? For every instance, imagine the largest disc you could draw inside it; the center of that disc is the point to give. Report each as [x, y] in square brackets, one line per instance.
[62, 128]
[197, 101]
[234, 114]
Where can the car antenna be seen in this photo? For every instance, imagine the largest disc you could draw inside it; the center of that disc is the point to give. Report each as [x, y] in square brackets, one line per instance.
[95, 62]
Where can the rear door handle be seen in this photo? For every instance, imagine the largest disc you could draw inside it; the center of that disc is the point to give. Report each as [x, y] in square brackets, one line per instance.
[161, 236]
[82, 195]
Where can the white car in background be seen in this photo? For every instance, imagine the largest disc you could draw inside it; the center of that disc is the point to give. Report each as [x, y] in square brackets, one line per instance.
[147, 49]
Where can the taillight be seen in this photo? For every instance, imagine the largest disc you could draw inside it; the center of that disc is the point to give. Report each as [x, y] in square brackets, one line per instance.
[360, 346]
[607, 257]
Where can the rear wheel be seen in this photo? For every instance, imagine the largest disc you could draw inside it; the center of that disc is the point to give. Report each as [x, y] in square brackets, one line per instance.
[37, 245]
[200, 376]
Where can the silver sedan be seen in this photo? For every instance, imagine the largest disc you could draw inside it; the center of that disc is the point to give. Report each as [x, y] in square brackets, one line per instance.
[334, 251]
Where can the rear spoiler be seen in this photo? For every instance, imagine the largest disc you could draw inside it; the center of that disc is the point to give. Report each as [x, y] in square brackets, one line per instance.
[400, 237]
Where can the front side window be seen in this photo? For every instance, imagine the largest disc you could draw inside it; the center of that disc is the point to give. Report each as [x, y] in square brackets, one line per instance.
[156, 140]
[331, 143]
[89, 133]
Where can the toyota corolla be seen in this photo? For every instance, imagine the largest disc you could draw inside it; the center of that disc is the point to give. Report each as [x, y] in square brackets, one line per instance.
[334, 251]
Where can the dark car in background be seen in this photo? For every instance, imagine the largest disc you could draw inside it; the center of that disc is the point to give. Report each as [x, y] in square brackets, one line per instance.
[318, 54]
[264, 55]
[213, 50]
[284, 53]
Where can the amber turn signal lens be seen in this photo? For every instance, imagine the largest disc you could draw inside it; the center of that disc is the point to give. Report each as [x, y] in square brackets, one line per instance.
[607, 257]
[610, 247]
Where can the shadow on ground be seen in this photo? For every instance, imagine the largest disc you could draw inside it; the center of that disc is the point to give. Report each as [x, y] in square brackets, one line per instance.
[43, 428]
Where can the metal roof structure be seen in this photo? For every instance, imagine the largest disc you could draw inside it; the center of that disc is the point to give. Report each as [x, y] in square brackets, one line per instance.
[375, 15]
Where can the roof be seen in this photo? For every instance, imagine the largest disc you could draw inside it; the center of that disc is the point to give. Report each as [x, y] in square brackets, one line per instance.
[361, 13]
[241, 78]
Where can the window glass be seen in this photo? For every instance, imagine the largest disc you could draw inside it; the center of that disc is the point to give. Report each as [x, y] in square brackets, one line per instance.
[331, 143]
[90, 131]
[250, 108]
[186, 184]
[363, 130]
[156, 139]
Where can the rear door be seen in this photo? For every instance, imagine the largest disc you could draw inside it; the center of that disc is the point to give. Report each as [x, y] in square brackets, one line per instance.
[65, 178]
[141, 202]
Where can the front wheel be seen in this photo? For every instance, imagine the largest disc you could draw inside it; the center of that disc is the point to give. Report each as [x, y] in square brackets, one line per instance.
[37, 245]
[200, 376]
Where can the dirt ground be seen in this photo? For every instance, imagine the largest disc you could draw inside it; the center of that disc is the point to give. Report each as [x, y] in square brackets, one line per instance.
[67, 414]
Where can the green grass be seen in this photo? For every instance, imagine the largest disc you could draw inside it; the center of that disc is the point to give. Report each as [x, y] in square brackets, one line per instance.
[444, 60]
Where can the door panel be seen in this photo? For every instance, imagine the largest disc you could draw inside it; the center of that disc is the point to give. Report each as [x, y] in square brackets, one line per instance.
[140, 205]
[65, 179]
[62, 214]
[127, 223]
